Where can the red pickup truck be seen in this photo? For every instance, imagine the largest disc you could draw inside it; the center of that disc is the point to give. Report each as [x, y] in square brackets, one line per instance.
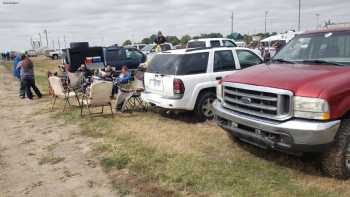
[298, 102]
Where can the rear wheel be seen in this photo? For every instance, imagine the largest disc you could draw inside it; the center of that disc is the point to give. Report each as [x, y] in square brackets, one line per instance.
[336, 161]
[204, 105]
[55, 57]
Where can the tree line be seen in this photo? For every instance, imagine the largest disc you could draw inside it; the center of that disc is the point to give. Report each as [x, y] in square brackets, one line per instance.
[185, 38]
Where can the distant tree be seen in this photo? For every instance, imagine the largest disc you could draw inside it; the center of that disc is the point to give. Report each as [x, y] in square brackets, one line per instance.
[247, 38]
[184, 39]
[210, 35]
[152, 38]
[173, 40]
[127, 42]
[147, 41]
[329, 22]
[235, 36]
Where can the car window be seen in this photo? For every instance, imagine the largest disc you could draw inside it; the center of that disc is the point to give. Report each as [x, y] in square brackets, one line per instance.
[215, 43]
[176, 64]
[115, 55]
[247, 58]
[165, 47]
[223, 61]
[133, 54]
[196, 44]
[229, 43]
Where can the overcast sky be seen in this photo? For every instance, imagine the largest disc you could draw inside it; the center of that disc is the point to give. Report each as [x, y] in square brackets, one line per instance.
[103, 22]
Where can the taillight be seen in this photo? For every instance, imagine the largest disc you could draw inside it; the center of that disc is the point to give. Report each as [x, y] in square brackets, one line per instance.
[179, 87]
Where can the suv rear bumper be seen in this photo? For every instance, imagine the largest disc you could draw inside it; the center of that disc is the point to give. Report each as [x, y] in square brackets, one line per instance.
[293, 136]
[166, 103]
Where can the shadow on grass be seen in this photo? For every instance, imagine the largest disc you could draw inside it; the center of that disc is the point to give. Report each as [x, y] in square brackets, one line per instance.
[184, 116]
[308, 163]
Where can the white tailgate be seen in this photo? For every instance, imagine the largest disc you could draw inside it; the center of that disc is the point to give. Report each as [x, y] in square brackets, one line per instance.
[159, 84]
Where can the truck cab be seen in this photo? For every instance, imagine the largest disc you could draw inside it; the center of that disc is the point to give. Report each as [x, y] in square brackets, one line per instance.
[298, 102]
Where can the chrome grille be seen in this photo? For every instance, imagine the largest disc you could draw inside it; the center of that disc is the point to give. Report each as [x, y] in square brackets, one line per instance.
[270, 103]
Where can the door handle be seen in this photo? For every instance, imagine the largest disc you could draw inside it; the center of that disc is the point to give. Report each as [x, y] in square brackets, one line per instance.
[218, 78]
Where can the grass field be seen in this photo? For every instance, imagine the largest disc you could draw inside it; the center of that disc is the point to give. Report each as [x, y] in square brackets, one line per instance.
[146, 154]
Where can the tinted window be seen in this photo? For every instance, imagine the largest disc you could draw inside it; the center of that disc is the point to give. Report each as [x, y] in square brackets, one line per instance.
[247, 59]
[196, 44]
[165, 47]
[215, 43]
[229, 43]
[223, 61]
[133, 54]
[172, 64]
[115, 55]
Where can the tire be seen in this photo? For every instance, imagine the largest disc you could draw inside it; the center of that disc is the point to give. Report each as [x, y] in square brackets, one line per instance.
[55, 57]
[335, 162]
[203, 109]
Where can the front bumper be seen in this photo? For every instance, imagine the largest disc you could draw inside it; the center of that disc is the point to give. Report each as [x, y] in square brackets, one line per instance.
[166, 103]
[292, 136]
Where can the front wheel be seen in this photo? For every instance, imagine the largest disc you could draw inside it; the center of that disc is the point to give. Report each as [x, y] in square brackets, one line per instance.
[204, 105]
[336, 161]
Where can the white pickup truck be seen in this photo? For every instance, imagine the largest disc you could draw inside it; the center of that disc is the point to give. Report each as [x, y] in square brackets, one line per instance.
[186, 79]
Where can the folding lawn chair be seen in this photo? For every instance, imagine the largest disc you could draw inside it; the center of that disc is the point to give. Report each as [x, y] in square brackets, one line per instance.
[99, 96]
[58, 91]
[129, 99]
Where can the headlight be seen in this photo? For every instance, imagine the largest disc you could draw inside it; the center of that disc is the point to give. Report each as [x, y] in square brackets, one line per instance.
[219, 91]
[311, 108]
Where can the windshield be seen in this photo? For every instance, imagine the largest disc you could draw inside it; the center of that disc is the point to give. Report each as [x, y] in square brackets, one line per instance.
[319, 47]
[148, 47]
[179, 64]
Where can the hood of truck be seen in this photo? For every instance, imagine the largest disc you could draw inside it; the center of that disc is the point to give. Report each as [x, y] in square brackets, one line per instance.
[301, 79]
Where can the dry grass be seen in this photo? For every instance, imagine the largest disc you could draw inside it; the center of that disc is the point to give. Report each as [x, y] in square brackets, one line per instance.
[146, 153]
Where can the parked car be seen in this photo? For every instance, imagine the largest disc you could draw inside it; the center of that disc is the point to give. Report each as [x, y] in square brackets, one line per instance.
[118, 56]
[32, 53]
[211, 42]
[136, 46]
[186, 79]
[151, 48]
[53, 54]
[298, 103]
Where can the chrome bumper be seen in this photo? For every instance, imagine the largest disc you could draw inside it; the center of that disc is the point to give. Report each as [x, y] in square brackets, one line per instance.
[295, 132]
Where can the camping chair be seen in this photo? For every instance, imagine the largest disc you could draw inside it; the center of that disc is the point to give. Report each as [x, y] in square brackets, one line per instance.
[129, 98]
[99, 95]
[58, 91]
[75, 83]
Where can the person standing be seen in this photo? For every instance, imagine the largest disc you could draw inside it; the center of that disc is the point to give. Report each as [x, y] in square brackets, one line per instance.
[27, 77]
[17, 73]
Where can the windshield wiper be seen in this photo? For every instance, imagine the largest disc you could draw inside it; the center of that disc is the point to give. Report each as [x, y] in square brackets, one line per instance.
[283, 61]
[322, 62]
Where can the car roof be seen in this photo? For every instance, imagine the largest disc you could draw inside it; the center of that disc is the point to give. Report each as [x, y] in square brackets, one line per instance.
[199, 50]
[326, 30]
[206, 39]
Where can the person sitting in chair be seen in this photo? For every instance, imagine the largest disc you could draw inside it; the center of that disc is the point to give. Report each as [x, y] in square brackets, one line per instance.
[107, 73]
[124, 76]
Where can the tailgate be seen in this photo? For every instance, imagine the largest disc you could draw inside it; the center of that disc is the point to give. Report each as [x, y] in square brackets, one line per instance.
[159, 84]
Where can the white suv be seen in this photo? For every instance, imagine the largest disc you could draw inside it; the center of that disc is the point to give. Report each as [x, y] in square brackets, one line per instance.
[186, 79]
[211, 42]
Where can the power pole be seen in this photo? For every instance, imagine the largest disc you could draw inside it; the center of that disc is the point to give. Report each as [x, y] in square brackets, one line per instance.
[47, 39]
[318, 20]
[53, 44]
[266, 13]
[40, 40]
[299, 16]
[59, 44]
[65, 42]
[232, 17]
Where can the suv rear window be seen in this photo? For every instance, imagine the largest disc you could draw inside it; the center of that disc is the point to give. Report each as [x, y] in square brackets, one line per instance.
[176, 64]
[196, 44]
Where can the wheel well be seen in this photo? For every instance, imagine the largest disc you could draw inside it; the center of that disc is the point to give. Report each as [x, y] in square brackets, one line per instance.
[346, 115]
[212, 89]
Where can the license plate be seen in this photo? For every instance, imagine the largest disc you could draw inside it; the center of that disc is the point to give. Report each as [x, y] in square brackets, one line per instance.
[155, 83]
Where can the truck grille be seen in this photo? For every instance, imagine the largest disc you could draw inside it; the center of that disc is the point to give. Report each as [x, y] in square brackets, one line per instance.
[270, 103]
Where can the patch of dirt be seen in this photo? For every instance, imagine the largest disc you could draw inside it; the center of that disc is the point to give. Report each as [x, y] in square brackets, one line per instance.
[40, 156]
